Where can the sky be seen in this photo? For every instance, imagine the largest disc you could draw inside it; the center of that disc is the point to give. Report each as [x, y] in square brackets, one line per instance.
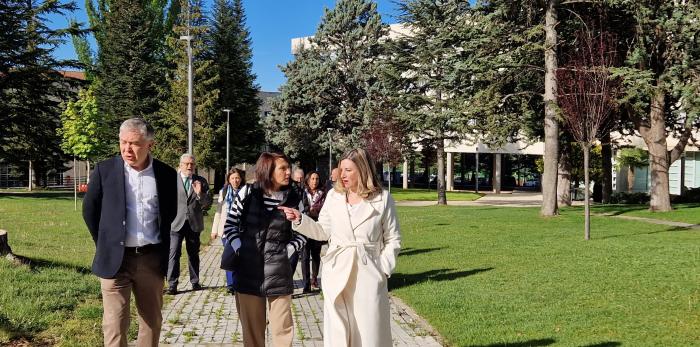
[272, 25]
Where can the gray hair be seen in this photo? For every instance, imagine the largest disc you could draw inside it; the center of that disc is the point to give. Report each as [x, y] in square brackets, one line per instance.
[186, 155]
[138, 124]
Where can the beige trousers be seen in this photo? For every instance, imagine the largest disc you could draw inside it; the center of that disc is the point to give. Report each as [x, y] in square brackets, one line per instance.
[253, 320]
[139, 273]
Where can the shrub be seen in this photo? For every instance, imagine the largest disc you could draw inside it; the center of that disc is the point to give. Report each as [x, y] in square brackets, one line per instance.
[629, 198]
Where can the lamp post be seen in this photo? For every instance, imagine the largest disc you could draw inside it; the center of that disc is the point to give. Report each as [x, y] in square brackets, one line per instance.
[228, 141]
[190, 118]
[330, 152]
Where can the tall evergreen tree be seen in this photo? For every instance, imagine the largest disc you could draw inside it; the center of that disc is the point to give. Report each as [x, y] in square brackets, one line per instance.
[232, 57]
[171, 121]
[341, 79]
[31, 86]
[129, 72]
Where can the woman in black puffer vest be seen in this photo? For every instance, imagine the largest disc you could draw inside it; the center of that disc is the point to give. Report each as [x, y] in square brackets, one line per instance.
[263, 240]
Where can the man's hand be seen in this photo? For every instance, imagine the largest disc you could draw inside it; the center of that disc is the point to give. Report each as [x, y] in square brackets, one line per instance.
[292, 214]
[197, 186]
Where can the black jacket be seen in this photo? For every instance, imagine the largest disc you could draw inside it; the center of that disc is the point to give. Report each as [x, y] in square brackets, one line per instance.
[263, 267]
[104, 212]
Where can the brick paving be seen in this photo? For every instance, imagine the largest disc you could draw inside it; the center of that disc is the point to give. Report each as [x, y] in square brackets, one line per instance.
[208, 317]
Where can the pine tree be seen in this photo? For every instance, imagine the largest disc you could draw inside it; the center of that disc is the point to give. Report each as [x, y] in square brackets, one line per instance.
[31, 87]
[171, 122]
[129, 72]
[232, 58]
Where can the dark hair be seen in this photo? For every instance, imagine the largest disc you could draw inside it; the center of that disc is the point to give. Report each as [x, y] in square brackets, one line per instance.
[308, 177]
[265, 168]
[234, 170]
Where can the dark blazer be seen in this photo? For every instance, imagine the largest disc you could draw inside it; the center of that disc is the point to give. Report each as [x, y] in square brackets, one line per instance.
[104, 212]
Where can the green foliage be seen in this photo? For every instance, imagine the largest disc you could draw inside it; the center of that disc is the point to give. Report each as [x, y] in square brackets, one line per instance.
[331, 83]
[629, 198]
[83, 129]
[231, 53]
[631, 157]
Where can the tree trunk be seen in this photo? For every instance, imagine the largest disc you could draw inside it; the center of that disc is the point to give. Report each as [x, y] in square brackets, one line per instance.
[564, 180]
[30, 176]
[551, 127]
[630, 179]
[87, 178]
[442, 196]
[606, 153]
[586, 192]
[655, 138]
[4, 244]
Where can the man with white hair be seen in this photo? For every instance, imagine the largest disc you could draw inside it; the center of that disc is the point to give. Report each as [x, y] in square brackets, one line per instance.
[128, 209]
[192, 199]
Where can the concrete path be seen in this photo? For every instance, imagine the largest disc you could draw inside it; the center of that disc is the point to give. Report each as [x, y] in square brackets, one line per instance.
[208, 317]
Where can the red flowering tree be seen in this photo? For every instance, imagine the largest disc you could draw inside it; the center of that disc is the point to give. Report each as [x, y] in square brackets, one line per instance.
[384, 141]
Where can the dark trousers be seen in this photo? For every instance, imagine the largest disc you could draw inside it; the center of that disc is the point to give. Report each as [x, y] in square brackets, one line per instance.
[229, 274]
[192, 245]
[310, 255]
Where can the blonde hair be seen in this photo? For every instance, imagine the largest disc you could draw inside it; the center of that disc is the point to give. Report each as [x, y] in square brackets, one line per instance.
[368, 184]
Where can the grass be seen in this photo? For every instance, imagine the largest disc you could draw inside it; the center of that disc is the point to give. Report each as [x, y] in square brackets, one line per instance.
[484, 280]
[687, 213]
[430, 195]
[57, 300]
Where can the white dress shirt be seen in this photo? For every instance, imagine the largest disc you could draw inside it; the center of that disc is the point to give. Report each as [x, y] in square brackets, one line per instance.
[142, 211]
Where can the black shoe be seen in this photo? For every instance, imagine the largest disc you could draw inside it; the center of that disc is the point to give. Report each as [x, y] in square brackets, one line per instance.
[306, 290]
[231, 291]
[196, 286]
[171, 291]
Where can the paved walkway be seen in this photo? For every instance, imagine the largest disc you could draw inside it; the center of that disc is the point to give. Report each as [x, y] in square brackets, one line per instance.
[208, 317]
[515, 199]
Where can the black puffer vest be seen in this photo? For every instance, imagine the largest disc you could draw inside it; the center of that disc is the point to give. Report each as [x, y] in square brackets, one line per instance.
[263, 267]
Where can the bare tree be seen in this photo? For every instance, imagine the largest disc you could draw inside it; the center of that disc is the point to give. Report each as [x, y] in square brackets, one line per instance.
[384, 140]
[586, 94]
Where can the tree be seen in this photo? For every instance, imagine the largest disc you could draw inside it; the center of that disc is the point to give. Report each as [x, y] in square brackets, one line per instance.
[83, 130]
[631, 158]
[586, 94]
[172, 120]
[129, 71]
[339, 71]
[31, 86]
[422, 70]
[232, 58]
[660, 81]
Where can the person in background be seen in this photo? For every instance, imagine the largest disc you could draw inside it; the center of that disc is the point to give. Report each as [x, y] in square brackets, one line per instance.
[233, 187]
[332, 180]
[298, 184]
[298, 176]
[263, 240]
[128, 209]
[192, 200]
[359, 220]
[311, 255]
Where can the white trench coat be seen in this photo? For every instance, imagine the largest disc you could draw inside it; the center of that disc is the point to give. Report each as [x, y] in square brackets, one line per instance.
[361, 255]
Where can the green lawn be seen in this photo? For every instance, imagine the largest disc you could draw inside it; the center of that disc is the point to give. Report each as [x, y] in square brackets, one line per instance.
[688, 213]
[488, 276]
[57, 300]
[430, 195]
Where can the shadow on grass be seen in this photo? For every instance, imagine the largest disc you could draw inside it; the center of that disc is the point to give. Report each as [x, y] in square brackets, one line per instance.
[63, 195]
[19, 335]
[668, 230]
[399, 280]
[413, 251]
[533, 343]
[605, 344]
[37, 265]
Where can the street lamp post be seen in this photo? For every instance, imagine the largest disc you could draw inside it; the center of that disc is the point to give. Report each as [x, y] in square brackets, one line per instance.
[190, 118]
[330, 152]
[228, 141]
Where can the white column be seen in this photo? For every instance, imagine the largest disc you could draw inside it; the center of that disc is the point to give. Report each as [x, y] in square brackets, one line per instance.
[497, 173]
[405, 174]
[450, 174]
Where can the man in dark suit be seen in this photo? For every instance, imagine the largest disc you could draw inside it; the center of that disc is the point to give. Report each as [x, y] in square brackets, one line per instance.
[128, 209]
[192, 199]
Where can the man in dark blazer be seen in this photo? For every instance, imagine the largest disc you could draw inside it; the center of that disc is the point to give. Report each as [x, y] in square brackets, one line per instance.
[129, 207]
[192, 199]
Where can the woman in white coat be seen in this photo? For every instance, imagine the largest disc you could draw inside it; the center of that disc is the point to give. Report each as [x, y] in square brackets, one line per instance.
[359, 221]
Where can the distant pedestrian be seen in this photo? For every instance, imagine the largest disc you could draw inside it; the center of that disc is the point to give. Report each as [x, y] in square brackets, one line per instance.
[193, 199]
[263, 241]
[311, 255]
[331, 180]
[128, 209]
[359, 220]
[233, 187]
